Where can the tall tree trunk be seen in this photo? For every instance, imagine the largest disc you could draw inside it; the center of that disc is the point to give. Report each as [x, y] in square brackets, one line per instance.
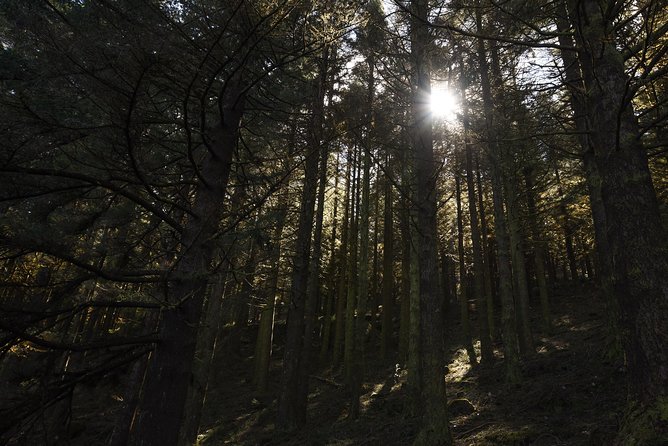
[291, 406]
[363, 280]
[352, 276]
[463, 277]
[361, 323]
[160, 412]
[551, 269]
[448, 276]
[487, 268]
[486, 352]
[205, 355]
[574, 83]
[636, 238]
[313, 287]
[208, 334]
[506, 162]
[376, 297]
[538, 252]
[263, 345]
[404, 227]
[567, 227]
[293, 397]
[388, 274]
[247, 282]
[414, 331]
[339, 326]
[519, 266]
[331, 292]
[435, 428]
[508, 326]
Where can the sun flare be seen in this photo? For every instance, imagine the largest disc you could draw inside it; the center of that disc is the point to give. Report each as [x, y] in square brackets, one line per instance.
[444, 104]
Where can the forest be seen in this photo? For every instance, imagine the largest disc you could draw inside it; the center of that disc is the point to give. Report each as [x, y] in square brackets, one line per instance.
[321, 222]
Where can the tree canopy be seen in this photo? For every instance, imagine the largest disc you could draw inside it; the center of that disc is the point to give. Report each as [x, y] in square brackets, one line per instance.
[347, 190]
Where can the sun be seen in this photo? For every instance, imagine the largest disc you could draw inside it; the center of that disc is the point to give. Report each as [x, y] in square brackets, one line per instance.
[444, 104]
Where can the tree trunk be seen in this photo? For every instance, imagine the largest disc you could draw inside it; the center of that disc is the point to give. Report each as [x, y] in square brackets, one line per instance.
[519, 267]
[414, 332]
[339, 325]
[376, 297]
[508, 327]
[487, 268]
[293, 397]
[567, 227]
[435, 428]
[463, 277]
[574, 83]
[361, 323]
[486, 352]
[363, 280]
[388, 274]
[291, 405]
[636, 238]
[404, 223]
[313, 287]
[331, 293]
[204, 358]
[539, 252]
[352, 278]
[505, 162]
[263, 345]
[160, 412]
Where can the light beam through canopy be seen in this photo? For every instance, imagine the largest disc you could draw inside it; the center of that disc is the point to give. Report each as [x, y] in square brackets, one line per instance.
[444, 104]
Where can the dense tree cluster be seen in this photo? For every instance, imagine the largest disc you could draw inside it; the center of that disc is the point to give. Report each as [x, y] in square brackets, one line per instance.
[174, 172]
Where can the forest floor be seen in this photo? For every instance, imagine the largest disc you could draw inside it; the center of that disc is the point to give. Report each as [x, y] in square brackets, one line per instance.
[571, 394]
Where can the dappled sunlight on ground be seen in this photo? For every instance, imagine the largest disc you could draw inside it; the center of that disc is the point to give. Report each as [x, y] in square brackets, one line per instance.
[459, 365]
[569, 396]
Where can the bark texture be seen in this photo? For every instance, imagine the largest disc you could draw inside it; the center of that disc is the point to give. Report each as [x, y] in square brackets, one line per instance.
[160, 412]
[636, 238]
[435, 428]
[508, 322]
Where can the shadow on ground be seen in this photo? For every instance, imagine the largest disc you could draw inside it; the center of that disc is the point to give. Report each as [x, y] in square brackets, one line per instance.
[571, 394]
